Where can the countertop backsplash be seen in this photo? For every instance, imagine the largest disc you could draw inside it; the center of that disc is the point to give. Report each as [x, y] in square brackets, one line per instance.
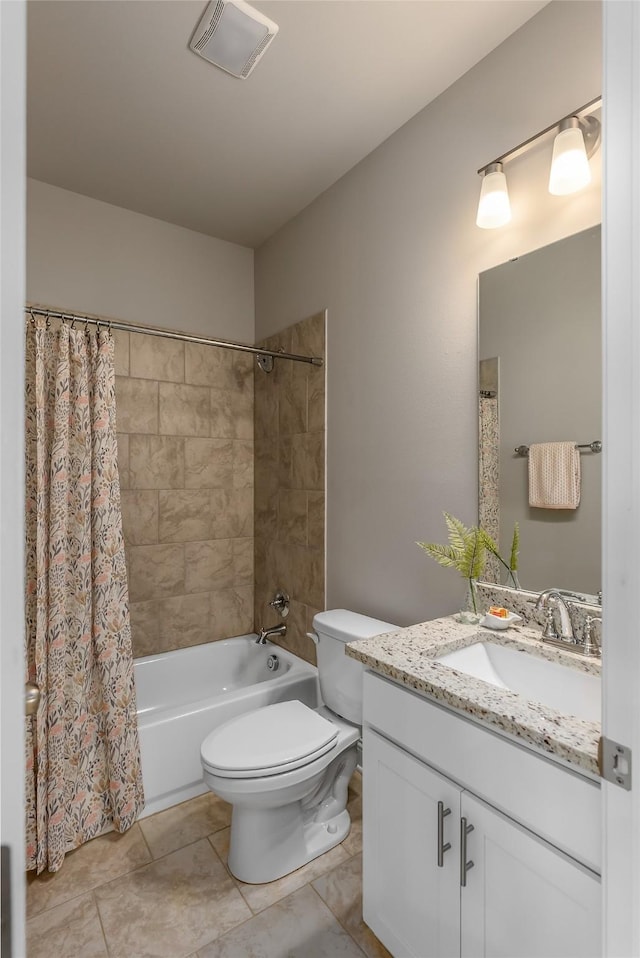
[523, 603]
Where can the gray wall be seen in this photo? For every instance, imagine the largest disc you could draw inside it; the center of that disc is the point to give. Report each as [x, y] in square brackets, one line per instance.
[393, 252]
[92, 257]
[541, 316]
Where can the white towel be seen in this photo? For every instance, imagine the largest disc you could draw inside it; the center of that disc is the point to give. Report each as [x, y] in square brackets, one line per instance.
[554, 475]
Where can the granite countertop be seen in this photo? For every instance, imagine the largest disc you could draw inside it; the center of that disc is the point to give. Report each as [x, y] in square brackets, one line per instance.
[409, 656]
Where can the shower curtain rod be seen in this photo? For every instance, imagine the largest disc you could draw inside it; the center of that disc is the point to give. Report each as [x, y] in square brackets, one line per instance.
[34, 311]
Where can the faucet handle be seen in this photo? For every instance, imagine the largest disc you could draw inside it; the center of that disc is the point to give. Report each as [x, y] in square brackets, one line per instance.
[590, 643]
[549, 631]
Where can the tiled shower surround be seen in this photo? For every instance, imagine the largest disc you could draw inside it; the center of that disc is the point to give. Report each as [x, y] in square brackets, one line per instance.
[289, 484]
[185, 417]
[185, 444]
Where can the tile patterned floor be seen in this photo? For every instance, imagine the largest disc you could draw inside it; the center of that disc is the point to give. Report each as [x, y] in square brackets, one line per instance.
[163, 890]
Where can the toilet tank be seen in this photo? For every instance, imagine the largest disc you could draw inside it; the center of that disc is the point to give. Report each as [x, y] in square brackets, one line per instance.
[341, 677]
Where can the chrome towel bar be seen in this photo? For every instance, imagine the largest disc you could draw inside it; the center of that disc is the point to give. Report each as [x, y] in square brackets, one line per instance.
[595, 446]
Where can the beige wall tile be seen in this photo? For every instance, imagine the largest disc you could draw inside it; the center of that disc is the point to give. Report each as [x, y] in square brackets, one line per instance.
[308, 337]
[156, 462]
[285, 462]
[184, 621]
[209, 463]
[243, 561]
[184, 410]
[120, 352]
[139, 516]
[209, 366]
[315, 519]
[266, 405]
[155, 358]
[155, 571]
[209, 565]
[292, 406]
[123, 459]
[243, 367]
[316, 400]
[292, 516]
[231, 612]
[313, 581]
[307, 461]
[136, 405]
[231, 414]
[145, 634]
[243, 455]
[185, 515]
[231, 514]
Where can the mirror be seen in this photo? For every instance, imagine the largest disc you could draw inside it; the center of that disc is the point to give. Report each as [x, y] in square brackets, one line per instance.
[540, 381]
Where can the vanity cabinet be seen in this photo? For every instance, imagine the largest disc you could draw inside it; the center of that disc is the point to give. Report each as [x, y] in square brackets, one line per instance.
[523, 896]
[411, 904]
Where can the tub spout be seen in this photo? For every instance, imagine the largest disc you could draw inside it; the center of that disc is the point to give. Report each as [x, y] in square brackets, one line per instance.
[265, 634]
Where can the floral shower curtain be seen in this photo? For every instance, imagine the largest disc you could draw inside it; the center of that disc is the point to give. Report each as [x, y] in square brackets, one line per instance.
[83, 759]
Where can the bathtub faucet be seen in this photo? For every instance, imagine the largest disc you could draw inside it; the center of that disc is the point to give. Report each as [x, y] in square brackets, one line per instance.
[267, 633]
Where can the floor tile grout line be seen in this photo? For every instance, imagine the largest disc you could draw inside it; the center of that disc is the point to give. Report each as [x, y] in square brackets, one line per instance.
[104, 934]
[332, 913]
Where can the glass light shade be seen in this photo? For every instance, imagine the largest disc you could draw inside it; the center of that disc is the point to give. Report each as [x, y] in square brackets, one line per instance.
[494, 208]
[570, 169]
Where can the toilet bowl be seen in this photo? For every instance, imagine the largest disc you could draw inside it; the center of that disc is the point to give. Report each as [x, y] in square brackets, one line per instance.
[285, 768]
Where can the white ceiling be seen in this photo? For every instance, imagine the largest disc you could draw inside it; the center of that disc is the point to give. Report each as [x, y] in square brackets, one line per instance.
[119, 109]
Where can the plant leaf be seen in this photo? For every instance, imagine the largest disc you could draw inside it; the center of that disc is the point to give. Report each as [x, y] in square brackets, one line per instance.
[445, 555]
[458, 533]
[515, 548]
[473, 560]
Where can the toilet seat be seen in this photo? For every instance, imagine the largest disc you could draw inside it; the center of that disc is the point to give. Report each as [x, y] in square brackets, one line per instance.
[272, 740]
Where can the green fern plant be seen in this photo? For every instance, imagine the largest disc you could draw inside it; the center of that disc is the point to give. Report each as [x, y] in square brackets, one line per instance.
[467, 552]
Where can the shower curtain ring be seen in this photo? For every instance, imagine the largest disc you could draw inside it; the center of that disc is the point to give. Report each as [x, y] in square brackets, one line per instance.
[33, 319]
[48, 324]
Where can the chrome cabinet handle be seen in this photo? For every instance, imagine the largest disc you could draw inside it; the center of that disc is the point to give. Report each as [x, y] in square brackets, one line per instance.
[442, 848]
[465, 866]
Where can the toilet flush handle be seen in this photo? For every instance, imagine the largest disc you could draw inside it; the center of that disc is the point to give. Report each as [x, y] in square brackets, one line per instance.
[314, 638]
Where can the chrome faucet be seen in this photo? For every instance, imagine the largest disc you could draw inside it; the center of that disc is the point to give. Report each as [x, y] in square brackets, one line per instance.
[566, 636]
[265, 634]
[588, 644]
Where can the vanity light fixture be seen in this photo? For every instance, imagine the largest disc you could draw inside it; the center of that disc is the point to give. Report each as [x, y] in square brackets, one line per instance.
[577, 137]
[570, 169]
[494, 208]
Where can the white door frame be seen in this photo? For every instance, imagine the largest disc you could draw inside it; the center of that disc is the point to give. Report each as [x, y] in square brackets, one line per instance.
[621, 518]
[621, 505]
[12, 298]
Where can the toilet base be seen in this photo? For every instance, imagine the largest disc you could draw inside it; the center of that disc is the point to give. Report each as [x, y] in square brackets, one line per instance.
[266, 845]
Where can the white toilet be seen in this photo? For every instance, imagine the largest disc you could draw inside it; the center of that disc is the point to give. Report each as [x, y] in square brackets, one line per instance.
[285, 768]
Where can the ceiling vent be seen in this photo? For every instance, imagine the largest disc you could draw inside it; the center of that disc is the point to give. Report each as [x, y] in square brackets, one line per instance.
[233, 36]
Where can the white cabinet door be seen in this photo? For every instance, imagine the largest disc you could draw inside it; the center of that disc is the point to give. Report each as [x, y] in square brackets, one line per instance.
[523, 898]
[411, 903]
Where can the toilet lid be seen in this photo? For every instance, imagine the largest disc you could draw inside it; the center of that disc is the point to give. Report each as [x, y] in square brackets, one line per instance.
[271, 740]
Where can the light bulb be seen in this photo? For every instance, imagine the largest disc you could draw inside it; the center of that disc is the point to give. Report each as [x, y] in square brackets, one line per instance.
[494, 208]
[570, 169]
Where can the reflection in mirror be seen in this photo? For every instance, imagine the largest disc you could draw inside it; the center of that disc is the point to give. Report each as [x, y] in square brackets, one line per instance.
[540, 381]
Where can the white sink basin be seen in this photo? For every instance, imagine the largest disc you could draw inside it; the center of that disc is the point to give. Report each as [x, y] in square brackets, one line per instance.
[538, 680]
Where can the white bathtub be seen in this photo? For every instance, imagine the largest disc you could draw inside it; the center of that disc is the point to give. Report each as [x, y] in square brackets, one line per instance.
[183, 695]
